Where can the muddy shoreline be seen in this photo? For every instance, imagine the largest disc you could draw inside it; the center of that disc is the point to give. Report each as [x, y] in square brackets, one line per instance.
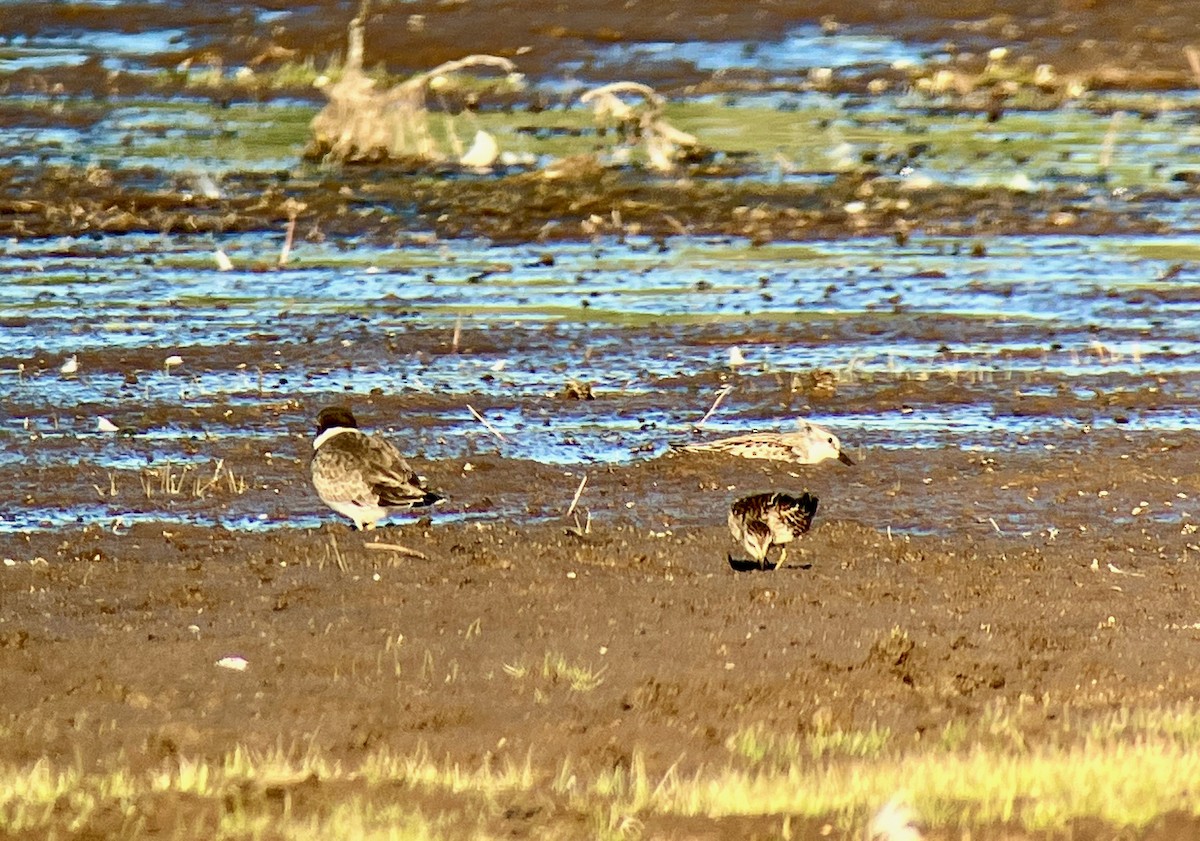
[1090, 611]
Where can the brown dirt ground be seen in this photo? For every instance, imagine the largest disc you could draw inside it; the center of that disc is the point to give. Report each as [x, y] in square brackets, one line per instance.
[108, 641]
[1131, 44]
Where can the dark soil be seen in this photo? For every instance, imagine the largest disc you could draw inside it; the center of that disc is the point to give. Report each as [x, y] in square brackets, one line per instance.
[1135, 44]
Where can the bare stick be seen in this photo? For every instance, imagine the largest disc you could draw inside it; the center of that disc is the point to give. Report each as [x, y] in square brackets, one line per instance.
[337, 554]
[602, 92]
[484, 421]
[720, 396]
[1110, 139]
[581, 530]
[1193, 57]
[286, 251]
[675, 224]
[578, 493]
[457, 334]
[396, 547]
[462, 63]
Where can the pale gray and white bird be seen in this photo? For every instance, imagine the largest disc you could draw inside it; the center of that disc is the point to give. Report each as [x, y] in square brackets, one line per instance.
[809, 444]
[362, 476]
[763, 521]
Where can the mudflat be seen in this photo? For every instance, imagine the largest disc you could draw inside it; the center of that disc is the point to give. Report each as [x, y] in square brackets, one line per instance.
[501, 668]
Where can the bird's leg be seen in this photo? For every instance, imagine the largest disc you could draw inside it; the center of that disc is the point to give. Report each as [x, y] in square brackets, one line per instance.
[782, 556]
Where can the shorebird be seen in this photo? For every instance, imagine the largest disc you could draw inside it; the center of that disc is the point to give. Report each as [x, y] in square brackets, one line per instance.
[362, 476]
[809, 444]
[764, 521]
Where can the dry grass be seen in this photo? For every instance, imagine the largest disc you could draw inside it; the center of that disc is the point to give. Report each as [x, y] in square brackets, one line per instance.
[1126, 769]
[172, 480]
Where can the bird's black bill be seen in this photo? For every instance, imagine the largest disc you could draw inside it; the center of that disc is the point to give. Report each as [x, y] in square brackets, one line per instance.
[843, 458]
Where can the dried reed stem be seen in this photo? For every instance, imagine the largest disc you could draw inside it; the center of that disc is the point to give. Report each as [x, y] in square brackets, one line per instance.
[485, 423]
[337, 554]
[578, 493]
[1193, 57]
[396, 547]
[286, 251]
[1110, 139]
[720, 396]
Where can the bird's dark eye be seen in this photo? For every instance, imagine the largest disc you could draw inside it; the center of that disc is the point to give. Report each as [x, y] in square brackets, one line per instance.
[830, 440]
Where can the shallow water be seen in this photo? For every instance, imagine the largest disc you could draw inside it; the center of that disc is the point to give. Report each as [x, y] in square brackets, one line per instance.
[117, 50]
[1031, 309]
[798, 51]
[1004, 318]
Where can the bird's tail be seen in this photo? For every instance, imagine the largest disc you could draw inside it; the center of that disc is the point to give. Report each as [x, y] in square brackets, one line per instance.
[430, 498]
[803, 508]
[807, 503]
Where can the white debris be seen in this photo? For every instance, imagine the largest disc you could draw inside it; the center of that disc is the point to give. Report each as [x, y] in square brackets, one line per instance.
[483, 152]
[895, 821]
[238, 664]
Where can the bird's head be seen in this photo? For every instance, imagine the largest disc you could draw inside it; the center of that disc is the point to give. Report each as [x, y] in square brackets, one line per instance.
[335, 416]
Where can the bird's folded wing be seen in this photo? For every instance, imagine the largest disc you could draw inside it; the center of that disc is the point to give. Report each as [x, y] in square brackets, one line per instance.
[390, 477]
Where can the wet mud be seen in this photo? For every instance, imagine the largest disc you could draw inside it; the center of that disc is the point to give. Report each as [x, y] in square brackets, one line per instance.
[1091, 606]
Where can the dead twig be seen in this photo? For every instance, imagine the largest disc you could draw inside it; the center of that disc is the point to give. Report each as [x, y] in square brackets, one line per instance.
[662, 141]
[337, 554]
[720, 396]
[485, 423]
[578, 530]
[396, 547]
[1193, 58]
[293, 209]
[1110, 140]
[578, 493]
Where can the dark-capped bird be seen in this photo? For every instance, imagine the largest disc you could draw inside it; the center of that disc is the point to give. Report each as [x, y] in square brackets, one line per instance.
[362, 476]
[764, 521]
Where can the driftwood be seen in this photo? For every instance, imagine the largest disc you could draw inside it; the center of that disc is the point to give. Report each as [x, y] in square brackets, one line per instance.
[662, 142]
[363, 123]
